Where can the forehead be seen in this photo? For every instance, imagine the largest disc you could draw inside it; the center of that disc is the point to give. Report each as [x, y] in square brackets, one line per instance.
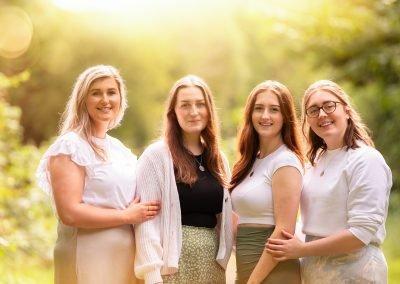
[321, 96]
[191, 93]
[267, 97]
[106, 82]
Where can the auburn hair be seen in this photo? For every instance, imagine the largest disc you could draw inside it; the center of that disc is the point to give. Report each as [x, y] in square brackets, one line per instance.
[248, 139]
[184, 163]
[356, 130]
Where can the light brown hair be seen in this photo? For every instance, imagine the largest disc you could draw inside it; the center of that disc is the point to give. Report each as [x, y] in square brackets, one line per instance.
[355, 131]
[184, 163]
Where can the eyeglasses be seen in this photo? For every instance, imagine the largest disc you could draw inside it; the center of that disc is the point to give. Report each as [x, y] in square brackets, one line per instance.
[327, 107]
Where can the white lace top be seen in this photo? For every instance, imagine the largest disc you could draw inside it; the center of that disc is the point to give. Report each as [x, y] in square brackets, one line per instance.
[109, 184]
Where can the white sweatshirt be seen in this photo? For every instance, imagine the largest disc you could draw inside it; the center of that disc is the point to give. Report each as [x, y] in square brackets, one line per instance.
[347, 189]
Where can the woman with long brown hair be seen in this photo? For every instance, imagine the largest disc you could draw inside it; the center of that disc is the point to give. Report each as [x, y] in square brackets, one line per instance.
[191, 240]
[345, 195]
[266, 183]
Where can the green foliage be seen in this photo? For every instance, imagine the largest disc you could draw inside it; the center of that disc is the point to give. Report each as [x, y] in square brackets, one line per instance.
[26, 218]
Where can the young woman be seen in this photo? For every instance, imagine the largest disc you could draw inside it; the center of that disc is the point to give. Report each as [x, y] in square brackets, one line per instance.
[91, 178]
[266, 183]
[345, 196]
[190, 240]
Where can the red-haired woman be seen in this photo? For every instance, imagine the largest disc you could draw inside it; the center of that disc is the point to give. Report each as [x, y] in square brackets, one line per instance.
[266, 183]
[186, 171]
[345, 197]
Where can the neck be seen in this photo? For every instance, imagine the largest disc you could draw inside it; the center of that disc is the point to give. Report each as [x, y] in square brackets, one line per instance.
[332, 145]
[267, 146]
[99, 130]
[192, 143]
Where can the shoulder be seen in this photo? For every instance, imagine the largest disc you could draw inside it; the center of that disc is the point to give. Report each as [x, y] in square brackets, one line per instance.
[157, 152]
[285, 157]
[365, 154]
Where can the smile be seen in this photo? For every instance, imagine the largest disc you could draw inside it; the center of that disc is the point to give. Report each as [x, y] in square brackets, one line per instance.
[325, 123]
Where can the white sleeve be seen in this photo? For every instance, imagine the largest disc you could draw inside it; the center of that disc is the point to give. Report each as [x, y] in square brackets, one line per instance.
[68, 144]
[369, 180]
[287, 159]
[149, 251]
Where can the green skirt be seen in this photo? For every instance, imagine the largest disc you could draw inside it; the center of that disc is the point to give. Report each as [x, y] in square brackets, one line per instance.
[197, 262]
[250, 244]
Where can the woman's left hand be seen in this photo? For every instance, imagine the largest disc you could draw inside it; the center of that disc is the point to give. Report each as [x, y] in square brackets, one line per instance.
[281, 250]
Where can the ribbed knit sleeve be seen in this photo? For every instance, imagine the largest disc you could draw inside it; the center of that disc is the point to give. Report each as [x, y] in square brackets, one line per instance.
[148, 235]
[369, 179]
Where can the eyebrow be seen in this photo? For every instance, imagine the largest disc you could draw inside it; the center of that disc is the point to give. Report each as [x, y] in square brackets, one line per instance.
[109, 89]
[322, 103]
[188, 101]
[269, 105]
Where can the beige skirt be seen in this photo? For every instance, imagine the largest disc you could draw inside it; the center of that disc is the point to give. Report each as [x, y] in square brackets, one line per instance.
[98, 256]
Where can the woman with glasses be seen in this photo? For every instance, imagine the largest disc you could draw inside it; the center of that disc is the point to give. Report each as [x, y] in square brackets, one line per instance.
[345, 195]
[190, 241]
[266, 183]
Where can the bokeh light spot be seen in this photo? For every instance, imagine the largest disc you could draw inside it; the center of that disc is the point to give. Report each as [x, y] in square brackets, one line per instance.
[16, 32]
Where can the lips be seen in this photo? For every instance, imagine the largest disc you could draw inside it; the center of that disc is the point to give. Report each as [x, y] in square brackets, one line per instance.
[104, 109]
[325, 123]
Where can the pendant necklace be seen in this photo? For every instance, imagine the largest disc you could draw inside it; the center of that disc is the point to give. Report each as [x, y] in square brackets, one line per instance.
[200, 164]
[326, 164]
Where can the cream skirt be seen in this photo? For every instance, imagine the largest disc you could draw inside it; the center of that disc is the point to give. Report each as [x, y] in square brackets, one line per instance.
[98, 256]
[367, 265]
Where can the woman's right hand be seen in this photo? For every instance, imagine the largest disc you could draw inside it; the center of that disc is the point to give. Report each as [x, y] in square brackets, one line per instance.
[140, 212]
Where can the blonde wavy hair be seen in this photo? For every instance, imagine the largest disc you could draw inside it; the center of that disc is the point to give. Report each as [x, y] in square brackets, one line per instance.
[356, 129]
[76, 117]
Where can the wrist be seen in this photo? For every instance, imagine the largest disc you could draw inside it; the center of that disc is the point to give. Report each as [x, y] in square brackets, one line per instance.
[305, 249]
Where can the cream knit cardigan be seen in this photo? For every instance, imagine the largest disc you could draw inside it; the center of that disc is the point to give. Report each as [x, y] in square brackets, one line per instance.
[159, 241]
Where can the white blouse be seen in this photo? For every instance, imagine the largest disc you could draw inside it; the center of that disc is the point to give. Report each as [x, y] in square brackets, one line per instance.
[109, 184]
[347, 189]
[252, 199]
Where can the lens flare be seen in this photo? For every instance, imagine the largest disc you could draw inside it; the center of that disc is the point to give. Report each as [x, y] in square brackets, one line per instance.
[16, 32]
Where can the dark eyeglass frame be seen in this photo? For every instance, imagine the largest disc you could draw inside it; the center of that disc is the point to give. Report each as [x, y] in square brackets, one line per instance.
[323, 107]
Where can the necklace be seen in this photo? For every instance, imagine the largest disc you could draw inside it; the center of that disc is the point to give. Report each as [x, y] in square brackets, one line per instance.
[200, 164]
[326, 164]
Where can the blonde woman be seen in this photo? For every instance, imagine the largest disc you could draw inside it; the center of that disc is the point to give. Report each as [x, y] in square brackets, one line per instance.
[345, 196]
[190, 241]
[91, 178]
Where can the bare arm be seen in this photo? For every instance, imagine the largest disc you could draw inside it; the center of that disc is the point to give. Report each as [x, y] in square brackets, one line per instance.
[286, 190]
[67, 180]
[339, 243]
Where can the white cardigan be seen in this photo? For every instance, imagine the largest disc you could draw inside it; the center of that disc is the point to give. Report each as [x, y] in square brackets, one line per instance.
[159, 241]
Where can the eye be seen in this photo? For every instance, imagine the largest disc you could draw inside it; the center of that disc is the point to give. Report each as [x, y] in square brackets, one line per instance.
[95, 93]
[201, 104]
[258, 108]
[274, 109]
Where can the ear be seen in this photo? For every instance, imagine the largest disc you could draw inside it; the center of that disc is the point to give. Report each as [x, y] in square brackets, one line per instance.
[347, 110]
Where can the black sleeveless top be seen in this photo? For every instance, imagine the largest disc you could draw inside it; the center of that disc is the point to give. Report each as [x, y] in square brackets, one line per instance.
[201, 202]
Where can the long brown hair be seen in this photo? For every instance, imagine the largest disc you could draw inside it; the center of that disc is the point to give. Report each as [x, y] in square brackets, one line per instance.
[248, 139]
[184, 163]
[76, 117]
[356, 129]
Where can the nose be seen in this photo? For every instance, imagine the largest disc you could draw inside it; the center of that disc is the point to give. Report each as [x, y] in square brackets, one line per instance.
[194, 110]
[104, 98]
[265, 114]
[321, 112]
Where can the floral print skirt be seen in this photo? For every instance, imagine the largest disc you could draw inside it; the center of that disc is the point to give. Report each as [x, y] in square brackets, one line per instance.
[197, 262]
[367, 265]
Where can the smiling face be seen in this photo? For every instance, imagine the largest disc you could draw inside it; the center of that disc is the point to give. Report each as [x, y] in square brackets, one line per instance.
[103, 101]
[267, 117]
[191, 110]
[330, 127]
